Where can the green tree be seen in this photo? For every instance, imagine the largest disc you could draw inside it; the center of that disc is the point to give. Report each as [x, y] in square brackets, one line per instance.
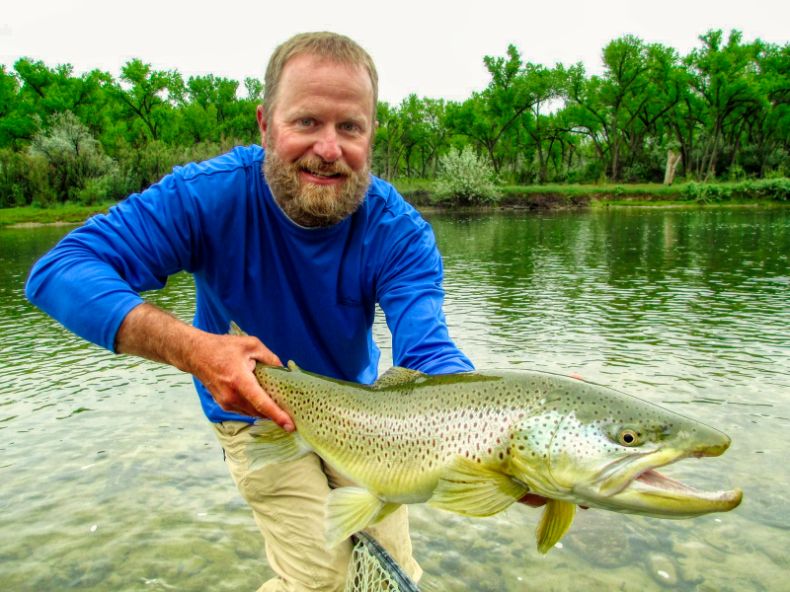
[723, 81]
[489, 118]
[13, 124]
[769, 130]
[149, 98]
[615, 99]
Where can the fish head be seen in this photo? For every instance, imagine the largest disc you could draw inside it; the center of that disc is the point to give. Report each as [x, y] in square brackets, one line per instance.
[607, 446]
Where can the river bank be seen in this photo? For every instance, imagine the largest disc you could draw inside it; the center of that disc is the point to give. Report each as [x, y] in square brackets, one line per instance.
[31, 216]
[758, 192]
[420, 193]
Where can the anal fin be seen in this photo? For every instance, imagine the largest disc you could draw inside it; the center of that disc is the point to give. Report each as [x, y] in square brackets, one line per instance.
[554, 523]
[472, 489]
[351, 509]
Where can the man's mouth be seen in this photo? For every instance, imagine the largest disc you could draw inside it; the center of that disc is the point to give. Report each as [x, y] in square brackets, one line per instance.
[321, 177]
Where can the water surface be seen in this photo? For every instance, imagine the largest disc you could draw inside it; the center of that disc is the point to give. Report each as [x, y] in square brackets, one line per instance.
[111, 479]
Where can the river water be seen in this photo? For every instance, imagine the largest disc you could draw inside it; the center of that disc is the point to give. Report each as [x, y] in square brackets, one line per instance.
[110, 478]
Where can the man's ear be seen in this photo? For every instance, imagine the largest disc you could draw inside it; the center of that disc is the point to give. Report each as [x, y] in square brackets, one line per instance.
[260, 114]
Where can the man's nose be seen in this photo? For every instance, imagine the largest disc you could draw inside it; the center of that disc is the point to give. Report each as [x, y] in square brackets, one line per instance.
[326, 146]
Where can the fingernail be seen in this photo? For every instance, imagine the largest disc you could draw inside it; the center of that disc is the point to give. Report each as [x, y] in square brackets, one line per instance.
[289, 427]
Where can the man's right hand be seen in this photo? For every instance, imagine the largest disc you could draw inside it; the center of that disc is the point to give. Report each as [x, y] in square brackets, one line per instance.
[224, 364]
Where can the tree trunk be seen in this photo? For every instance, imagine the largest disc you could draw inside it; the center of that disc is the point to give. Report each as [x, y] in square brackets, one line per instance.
[673, 159]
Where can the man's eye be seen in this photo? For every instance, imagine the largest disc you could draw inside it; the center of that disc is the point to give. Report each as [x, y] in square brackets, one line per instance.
[349, 127]
[305, 122]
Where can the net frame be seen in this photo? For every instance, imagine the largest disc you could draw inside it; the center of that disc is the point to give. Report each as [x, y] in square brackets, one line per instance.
[372, 569]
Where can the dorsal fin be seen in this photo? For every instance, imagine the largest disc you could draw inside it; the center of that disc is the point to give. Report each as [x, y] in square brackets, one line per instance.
[235, 329]
[397, 376]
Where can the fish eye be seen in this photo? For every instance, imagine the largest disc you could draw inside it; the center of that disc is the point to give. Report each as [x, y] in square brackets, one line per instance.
[628, 437]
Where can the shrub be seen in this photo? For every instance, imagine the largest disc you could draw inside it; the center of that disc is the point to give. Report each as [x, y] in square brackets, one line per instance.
[72, 152]
[775, 189]
[466, 178]
[24, 180]
[770, 189]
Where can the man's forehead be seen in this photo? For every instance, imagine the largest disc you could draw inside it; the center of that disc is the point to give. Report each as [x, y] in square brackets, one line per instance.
[311, 62]
[315, 79]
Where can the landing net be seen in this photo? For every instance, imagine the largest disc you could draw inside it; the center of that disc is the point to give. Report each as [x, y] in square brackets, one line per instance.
[372, 569]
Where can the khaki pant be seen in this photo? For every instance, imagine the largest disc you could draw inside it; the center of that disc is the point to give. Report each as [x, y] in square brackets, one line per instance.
[288, 504]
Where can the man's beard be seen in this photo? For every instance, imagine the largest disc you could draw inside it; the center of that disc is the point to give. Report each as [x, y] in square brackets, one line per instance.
[310, 204]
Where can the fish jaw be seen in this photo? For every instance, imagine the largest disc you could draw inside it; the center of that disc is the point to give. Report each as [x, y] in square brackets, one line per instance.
[633, 485]
[654, 494]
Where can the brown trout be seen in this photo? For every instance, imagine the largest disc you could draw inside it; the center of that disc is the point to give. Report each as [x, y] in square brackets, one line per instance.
[474, 443]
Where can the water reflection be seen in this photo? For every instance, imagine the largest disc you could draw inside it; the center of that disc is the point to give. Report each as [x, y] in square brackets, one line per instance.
[611, 287]
[112, 480]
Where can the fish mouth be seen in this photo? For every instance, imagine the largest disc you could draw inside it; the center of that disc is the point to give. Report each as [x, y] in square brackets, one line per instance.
[633, 485]
[656, 494]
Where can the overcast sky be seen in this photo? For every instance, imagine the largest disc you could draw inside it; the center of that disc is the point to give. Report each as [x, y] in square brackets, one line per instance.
[431, 48]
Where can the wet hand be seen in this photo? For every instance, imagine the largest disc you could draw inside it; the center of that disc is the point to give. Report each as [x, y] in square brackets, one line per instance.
[537, 501]
[225, 365]
[533, 500]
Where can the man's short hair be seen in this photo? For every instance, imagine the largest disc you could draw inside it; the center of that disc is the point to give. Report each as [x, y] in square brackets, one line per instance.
[323, 44]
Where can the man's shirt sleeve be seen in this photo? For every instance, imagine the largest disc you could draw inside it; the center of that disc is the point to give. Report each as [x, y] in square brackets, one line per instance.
[411, 295]
[92, 278]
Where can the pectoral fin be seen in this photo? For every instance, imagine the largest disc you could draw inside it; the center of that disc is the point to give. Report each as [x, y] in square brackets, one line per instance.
[351, 509]
[471, 489]
[554, 523]
[272, 444]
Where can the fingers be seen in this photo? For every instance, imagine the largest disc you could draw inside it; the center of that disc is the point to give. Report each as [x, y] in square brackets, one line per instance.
[224, 364]
[533, 500]
[251, 391]
[261, 353]
[537, 501]
[262, 405]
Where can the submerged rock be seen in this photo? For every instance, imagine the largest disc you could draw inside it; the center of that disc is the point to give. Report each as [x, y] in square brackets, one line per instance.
[662, 569]
[606, 542]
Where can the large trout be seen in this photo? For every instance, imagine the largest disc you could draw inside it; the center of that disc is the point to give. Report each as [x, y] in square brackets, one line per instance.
[474, 443]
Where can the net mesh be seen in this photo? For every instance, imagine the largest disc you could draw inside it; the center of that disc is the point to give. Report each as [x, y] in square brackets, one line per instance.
[372, 569]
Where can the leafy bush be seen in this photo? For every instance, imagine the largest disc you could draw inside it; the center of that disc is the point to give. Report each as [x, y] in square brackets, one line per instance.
[142, 166]
[24, 180]
[72, 152]
[736, 173]
[706, 192]
[775, 189]
[466, 178]
[770, 189]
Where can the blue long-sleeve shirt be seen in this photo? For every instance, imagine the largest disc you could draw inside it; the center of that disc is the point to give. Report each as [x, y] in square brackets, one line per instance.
[308, 294]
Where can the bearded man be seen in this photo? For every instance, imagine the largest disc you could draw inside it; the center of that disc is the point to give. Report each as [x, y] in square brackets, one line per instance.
[296, 242]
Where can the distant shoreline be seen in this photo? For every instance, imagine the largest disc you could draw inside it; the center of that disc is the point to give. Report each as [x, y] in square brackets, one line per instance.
[41, 224]
[528, 198]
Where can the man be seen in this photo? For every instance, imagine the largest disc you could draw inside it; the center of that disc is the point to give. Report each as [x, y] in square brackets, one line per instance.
[297, 245]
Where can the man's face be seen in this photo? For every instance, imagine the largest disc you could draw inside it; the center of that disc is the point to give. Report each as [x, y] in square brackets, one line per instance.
[318, 140]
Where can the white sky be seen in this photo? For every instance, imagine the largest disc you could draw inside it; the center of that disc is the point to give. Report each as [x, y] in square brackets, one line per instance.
[431, 48]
